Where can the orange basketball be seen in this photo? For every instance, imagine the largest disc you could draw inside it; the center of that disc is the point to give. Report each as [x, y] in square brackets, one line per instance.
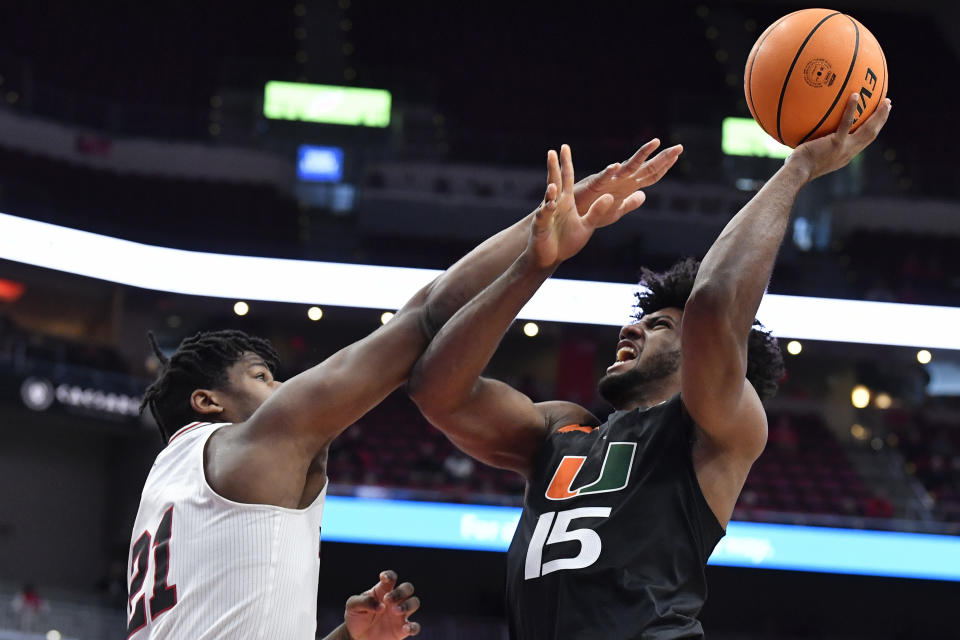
[802, 70]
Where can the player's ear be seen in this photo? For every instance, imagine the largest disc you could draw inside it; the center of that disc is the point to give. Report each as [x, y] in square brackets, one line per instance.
[205, 401]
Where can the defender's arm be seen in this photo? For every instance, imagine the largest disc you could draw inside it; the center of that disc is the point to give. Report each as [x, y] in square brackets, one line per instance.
[312, 408]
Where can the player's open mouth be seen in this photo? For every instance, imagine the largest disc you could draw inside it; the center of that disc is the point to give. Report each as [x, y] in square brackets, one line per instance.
[626, 352]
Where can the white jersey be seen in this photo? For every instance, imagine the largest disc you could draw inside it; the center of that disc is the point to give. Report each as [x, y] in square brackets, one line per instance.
[202, 567]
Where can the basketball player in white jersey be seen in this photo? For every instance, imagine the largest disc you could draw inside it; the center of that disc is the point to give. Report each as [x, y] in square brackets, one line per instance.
[226, 542]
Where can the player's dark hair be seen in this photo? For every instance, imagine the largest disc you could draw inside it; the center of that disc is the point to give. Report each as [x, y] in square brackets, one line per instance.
[672, 288]
[200, 362]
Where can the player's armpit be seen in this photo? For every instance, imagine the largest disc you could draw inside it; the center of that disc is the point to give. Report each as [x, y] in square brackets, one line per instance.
[499, 425]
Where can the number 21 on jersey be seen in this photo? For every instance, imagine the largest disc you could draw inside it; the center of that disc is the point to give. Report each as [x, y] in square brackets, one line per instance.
[164, 595]
[554, 526]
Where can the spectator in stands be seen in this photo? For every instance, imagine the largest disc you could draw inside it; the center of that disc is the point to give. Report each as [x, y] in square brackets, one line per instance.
[28, 608]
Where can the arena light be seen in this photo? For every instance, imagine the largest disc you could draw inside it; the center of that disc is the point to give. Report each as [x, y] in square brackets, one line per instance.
[375, 287]
[744, 137]
[883, 400]
[746, 544]
[10, 290]
[326, 104]
[531, 329]
[314, 313]
[860, 396]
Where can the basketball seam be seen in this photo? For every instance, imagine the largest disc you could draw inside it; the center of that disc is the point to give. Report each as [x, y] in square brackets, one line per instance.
[856, 50]
[753, 106]
[786, 80]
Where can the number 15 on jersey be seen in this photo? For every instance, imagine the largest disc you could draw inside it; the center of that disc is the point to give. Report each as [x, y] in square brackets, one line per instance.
[554, 527]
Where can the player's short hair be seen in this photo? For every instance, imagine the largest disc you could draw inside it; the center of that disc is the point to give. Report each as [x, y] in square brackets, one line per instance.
[200, 362]
[671, 288]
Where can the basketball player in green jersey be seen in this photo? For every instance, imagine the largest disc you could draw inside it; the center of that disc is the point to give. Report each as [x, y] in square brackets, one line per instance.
[620, 516]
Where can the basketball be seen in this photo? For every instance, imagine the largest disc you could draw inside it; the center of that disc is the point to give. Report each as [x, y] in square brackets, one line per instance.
[802, 70]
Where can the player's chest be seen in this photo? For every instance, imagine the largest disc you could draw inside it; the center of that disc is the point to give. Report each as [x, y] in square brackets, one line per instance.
[607, 459]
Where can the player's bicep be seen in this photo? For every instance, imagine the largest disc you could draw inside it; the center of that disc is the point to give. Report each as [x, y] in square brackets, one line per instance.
[714, 387]
[495, 424]
[316, 405]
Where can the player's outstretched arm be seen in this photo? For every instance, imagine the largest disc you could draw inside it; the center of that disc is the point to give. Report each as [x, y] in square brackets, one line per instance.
[318, 404]
[265, 459]
[487, 419]
[380, 613]
[732, 279]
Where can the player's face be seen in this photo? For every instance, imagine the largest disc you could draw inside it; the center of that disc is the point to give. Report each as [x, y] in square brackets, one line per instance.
[250, 384]
[648, 352]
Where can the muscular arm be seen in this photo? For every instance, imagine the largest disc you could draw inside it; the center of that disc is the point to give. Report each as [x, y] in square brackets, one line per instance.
[318, 404]
[488, 419]
[312, 408]
[267, 458]
[732, 279]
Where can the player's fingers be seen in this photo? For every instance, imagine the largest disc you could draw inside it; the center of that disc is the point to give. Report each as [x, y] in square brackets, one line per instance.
[607, 175]
[388, 579]
[658, 166]
[849, 114]
[637, 159]
[599, 213]
[871, 128]
[631, 202]
[388, 575]
[400, 594]
[408, 607]
[412, 628]
[550, 195]
[553, 168]
[545, 211]
[566, 169]
[363, 602]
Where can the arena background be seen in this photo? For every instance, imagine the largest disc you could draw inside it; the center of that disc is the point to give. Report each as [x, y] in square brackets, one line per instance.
[146, 122]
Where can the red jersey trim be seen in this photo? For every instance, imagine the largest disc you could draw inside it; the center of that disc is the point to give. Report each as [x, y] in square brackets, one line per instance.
[186, 428]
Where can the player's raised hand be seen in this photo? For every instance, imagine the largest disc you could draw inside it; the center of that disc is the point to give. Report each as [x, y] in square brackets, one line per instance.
[381, 612]
[832, 152]
[559, 230]
[623, 180]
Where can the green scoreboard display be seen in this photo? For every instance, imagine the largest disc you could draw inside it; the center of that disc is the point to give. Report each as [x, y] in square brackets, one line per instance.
[744, 137]
[327, 104]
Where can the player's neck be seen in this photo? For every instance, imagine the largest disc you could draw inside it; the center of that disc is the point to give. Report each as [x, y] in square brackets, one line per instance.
[650, 396]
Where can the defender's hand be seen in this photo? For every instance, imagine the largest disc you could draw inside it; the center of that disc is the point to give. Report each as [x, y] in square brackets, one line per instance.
[623, 180]
[381, 612]
[832, 152]
[559, 231]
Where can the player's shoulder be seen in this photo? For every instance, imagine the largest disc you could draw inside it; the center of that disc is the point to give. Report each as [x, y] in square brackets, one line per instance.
[566, 417]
